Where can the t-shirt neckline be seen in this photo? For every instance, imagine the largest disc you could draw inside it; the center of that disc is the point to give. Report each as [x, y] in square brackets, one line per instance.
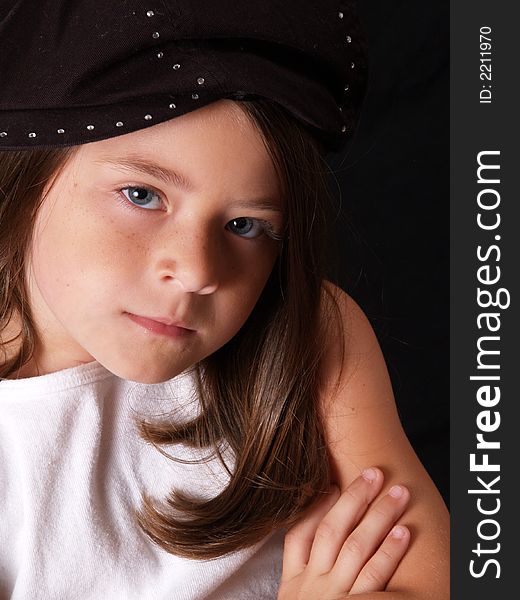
[59, 380]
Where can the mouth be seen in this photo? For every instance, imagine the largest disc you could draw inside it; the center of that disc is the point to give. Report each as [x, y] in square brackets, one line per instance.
[162, 325]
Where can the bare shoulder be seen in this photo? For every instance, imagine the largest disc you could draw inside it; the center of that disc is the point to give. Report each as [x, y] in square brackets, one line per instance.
[363, 429]
[351, 345]
[346, 324]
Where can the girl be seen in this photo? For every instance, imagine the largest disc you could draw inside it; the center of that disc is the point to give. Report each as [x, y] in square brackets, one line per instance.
[180, 383]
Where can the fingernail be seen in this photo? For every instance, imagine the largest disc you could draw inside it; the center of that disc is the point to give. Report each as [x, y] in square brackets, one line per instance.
[398, 532]
[396, 491]
[369, 474]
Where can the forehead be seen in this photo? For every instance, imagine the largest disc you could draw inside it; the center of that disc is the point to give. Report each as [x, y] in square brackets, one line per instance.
[217, 142]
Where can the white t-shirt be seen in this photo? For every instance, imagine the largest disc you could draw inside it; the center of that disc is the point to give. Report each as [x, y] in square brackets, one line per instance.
[72, 467]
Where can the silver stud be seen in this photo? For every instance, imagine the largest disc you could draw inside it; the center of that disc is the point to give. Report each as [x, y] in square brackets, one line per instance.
[150, 13]
[60, 131]
[148, 117]
[349, 39]
[347, 87]
[340, 15]
[195, 96]
[172, 105]
[160, 54]
[90, 127]
[344, 128]
[156, 35]
[176, 66]
[32, 134]
[3, 133]
[340, 109]
[119, 124]
[352, 65]
[200, 80]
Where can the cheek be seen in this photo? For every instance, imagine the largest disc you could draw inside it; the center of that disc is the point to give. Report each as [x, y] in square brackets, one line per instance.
[78, 256]
[52, 253]
[249, 281]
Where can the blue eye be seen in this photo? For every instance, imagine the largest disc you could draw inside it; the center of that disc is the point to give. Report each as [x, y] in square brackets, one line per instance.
[143, 197]
[248, 227]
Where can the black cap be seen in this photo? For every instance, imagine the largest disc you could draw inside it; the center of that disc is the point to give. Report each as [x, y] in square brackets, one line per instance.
[76, 71]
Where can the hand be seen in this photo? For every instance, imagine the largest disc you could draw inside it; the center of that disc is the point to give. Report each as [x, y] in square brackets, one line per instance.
[340, 548]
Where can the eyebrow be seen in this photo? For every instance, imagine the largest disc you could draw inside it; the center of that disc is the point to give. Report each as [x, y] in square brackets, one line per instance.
[169, 176]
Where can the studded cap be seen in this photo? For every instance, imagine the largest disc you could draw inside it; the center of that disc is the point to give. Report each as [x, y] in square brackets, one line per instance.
[77, 71]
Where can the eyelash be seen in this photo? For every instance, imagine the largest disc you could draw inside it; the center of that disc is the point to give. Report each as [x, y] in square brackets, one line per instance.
[267, 227]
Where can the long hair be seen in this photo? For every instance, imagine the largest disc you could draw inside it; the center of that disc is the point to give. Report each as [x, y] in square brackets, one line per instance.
[259, 392]
[24, 178]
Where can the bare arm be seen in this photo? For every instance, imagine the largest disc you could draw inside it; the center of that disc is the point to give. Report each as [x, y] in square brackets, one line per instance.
[363, 429]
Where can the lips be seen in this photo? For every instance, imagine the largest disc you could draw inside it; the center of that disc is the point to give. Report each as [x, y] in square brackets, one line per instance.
[162, 325]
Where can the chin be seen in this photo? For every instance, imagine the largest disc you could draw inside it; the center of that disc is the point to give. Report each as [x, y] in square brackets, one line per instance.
[143, 373]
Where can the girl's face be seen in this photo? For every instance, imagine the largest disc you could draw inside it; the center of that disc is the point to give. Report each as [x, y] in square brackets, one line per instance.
[151, 249]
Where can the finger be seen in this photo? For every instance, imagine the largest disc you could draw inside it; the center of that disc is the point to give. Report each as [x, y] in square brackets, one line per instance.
[376, 574]
[364, 541]
[341, 520]
[299, 539]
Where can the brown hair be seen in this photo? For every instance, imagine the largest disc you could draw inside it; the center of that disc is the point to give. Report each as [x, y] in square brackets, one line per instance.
[24, 177]
[259, 392]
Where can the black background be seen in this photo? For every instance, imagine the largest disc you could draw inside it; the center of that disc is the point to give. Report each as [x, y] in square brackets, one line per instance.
[391, 244]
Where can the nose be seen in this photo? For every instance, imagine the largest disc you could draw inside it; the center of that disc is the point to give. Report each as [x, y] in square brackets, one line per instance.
[191, 261]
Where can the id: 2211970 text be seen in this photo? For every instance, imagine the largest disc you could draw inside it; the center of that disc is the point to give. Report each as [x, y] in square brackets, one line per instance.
[485, 65]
